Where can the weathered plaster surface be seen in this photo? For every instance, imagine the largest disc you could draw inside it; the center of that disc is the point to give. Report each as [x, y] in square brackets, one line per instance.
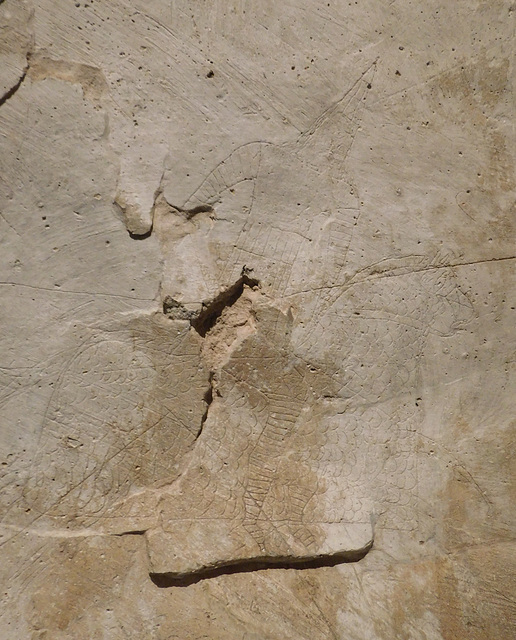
[258, 306]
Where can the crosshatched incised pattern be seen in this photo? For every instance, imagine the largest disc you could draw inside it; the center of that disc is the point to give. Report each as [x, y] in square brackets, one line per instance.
[296, 445]
[287, 427]
[126, 408]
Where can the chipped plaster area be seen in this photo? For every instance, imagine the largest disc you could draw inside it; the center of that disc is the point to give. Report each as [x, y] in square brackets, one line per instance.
[258, 301]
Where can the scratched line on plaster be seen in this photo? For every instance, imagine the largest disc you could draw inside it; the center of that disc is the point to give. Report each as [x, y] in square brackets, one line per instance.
[279, 443]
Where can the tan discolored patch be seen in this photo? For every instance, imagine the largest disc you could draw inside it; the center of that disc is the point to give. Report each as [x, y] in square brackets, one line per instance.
[84, 578]
[91, 79]
[235, 324]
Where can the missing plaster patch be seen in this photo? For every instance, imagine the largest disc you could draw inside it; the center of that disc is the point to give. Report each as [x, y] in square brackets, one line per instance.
[204, 320]
[211, 311]
[217, 344]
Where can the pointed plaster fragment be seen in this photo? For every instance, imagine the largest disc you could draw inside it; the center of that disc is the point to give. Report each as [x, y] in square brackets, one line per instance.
[137, 211]
[138, 222]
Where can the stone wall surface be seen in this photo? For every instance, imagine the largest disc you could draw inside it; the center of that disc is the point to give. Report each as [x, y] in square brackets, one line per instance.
[258, 347]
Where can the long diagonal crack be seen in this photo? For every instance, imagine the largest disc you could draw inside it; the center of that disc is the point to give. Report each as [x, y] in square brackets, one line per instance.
[10, 92]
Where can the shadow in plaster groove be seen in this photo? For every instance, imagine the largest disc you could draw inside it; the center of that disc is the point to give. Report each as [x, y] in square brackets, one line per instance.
[208, 399]
[211, 311]
[141, 236]
[138, 532]
[167, 580]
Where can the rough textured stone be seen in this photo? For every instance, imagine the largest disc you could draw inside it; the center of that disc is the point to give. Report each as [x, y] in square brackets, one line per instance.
[258, 304]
